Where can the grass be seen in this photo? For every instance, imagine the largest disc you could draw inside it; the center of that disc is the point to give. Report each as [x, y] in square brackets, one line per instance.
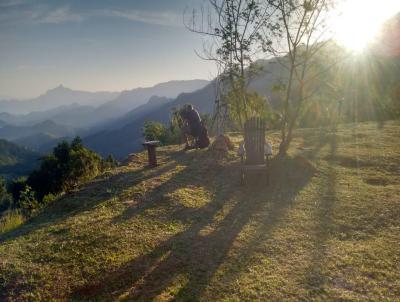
[325, 229]
[10, 220]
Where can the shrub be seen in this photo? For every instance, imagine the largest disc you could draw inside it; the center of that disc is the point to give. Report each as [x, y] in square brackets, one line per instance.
[48, 198]
[15, 187]
[5, 197]
[68, 166]
[27, 201]
[109, 163]
[155, 131]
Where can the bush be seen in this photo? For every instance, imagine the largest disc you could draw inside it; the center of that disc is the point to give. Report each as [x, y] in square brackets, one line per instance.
[109, 163]
[27, 201]
[154, 131]
[48, 198]
[68, 166]
[5, 197]
[157, 131]
[15, 187]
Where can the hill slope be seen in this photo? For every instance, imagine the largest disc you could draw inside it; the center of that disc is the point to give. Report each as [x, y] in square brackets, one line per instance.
[16, 160]
[326, 228]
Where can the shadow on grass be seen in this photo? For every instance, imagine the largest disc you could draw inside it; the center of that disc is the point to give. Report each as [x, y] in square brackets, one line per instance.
[88, 197]
[316, 278]
[197, 252]
[314, 142]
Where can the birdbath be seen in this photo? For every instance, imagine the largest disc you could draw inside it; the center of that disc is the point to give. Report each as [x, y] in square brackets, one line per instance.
[151, 151]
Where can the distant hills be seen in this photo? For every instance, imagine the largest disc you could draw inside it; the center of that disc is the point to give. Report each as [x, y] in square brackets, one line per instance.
[49, 127]
[16, 160]
[82, 109]
[115, 126]
[81, 113]
[40, 137]
[124, 135]
[131, 99]
[53, 98]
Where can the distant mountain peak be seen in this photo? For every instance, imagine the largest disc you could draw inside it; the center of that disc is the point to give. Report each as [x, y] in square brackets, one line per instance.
[59, 88]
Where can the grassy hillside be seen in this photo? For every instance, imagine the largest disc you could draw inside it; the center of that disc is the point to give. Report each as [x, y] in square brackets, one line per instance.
[16, 160]
[326, 228]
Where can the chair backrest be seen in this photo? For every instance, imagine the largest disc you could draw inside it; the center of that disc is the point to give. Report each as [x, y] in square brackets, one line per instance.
[254, 140]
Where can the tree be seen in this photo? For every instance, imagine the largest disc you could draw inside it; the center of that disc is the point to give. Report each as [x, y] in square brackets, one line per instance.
[301, 32]
[77, 143]
[64, 169]
[256, 104]
[154, 131]
[5, 197]
[233, 28]
[15, 187]
[167, 135]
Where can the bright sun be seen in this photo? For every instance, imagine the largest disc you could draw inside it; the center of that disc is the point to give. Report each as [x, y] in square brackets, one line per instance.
[360, 21]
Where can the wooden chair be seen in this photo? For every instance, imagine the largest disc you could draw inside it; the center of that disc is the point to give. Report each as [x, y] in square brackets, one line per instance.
[253, 158]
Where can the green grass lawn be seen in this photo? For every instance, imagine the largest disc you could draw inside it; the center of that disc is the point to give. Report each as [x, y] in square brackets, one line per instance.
[326, 228]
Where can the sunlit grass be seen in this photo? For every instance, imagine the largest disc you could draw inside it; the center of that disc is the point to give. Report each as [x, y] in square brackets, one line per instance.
[325, 229]
[10, 220]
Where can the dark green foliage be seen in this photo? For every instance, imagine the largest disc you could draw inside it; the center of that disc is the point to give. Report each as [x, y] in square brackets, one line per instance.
[23, 197]
[77, 143]
[68, 166]
[109, 163]
[5, 197]
[154, 131]
[15, 187]
[166, 135]
[27, 201]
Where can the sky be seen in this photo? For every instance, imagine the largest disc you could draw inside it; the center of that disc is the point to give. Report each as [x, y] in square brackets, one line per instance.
[96, 45]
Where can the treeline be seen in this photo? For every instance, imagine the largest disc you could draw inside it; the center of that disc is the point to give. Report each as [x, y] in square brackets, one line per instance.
[68, 166]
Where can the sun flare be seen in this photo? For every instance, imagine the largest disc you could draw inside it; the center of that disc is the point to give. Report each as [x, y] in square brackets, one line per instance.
[359, 21]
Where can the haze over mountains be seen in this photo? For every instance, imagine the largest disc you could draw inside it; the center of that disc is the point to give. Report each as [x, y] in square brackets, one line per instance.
[53, 98]
[65, 113]
[125, 135]
[112, 126]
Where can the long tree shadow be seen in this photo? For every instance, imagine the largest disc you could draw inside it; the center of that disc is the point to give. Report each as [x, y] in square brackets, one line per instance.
[315, 141]
[88, 197]
[316, 278]
[199, 250]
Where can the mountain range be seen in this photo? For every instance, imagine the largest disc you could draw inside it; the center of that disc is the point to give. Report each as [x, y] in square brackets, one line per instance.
[125, 135]
[115, 126]
[53, 98]
[77, 113]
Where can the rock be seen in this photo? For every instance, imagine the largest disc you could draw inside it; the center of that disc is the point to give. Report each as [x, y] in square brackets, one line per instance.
[222, 143]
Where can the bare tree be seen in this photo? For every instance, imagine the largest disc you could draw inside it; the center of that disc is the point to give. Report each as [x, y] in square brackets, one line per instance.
[233, 28]
[300, 32]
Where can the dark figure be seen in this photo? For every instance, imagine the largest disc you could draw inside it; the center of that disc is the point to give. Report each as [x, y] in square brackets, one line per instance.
[203, 140]
[193, 126]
